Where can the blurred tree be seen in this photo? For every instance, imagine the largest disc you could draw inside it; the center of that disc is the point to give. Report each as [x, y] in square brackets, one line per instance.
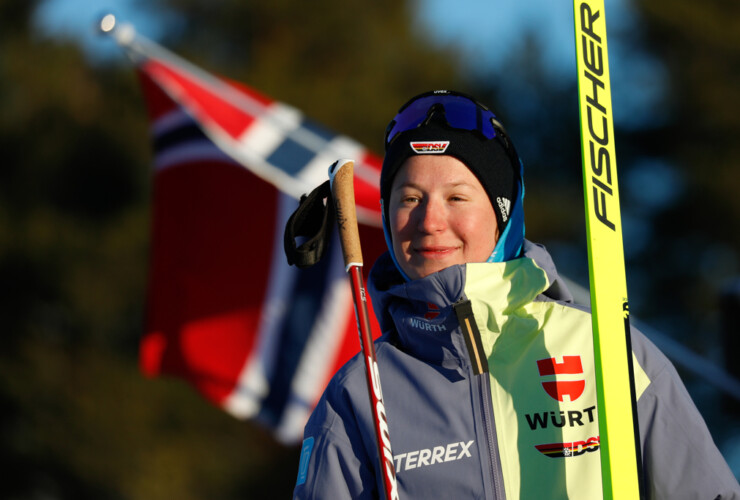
[78, 419]
[320, 56]
[697, 239]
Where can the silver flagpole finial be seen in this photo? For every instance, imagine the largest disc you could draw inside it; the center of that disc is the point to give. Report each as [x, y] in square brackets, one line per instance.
[123, 33]
[107, 23]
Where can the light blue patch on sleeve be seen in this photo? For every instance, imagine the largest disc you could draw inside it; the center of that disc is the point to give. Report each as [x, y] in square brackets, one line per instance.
[306, 450]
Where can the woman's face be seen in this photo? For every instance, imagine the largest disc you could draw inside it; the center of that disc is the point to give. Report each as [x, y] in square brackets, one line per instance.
[440, 215]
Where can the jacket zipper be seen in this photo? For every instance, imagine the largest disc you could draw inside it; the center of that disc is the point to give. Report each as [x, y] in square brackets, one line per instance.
[479, 364]
[489, 420]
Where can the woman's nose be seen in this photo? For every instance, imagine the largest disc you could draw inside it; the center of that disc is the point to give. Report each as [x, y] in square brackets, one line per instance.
[431, 216]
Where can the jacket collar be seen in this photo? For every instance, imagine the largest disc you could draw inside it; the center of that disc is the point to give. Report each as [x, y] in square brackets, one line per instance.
[421, 312]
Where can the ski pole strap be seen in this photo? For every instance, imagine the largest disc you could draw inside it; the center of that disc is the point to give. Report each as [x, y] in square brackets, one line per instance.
[312, 222]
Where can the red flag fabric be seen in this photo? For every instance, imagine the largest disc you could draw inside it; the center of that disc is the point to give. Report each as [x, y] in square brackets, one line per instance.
[225, 312]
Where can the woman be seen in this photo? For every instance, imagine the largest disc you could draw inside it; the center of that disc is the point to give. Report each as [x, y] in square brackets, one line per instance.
[486, 364]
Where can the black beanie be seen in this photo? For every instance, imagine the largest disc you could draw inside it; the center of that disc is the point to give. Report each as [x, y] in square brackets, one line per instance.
[491, 163]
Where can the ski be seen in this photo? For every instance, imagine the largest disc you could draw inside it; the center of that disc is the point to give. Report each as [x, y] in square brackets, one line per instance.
[617, 411]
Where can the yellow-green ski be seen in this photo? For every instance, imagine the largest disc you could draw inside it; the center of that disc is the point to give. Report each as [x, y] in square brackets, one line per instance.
[620, 452]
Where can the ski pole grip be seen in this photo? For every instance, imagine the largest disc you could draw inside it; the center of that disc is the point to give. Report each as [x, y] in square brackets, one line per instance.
[341, 176]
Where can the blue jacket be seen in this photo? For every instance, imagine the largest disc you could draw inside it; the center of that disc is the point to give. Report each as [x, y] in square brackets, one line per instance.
[503, 408]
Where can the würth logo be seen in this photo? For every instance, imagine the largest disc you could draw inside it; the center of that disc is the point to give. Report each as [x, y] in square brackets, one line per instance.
[429, 147]
[432, 311]
[558, 389]
[426, 322]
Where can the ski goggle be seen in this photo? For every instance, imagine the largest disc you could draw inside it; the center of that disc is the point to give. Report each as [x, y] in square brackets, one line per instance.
[462, 112]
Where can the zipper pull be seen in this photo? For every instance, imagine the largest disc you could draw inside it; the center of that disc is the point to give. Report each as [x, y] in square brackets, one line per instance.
[464, 312]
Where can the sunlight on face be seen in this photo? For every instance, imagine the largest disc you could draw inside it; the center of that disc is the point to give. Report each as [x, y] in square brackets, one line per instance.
[440, 215]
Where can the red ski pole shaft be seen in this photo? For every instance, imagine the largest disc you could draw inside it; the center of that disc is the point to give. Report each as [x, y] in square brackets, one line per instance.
[341, 174]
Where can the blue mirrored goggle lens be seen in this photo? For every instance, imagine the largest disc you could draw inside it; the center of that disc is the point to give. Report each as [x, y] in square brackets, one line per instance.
[460, 112]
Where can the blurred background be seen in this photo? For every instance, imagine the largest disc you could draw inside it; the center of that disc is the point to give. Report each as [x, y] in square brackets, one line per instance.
[78, 419]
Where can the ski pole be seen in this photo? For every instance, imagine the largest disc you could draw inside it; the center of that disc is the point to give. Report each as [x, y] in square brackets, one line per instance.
[617, 408]
[341, 175]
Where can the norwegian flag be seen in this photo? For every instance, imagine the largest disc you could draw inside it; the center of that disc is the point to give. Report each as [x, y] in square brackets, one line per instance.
[225, 312]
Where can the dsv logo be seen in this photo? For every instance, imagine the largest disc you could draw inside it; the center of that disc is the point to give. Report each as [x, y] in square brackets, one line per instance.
[558, 389]
[573, 449]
